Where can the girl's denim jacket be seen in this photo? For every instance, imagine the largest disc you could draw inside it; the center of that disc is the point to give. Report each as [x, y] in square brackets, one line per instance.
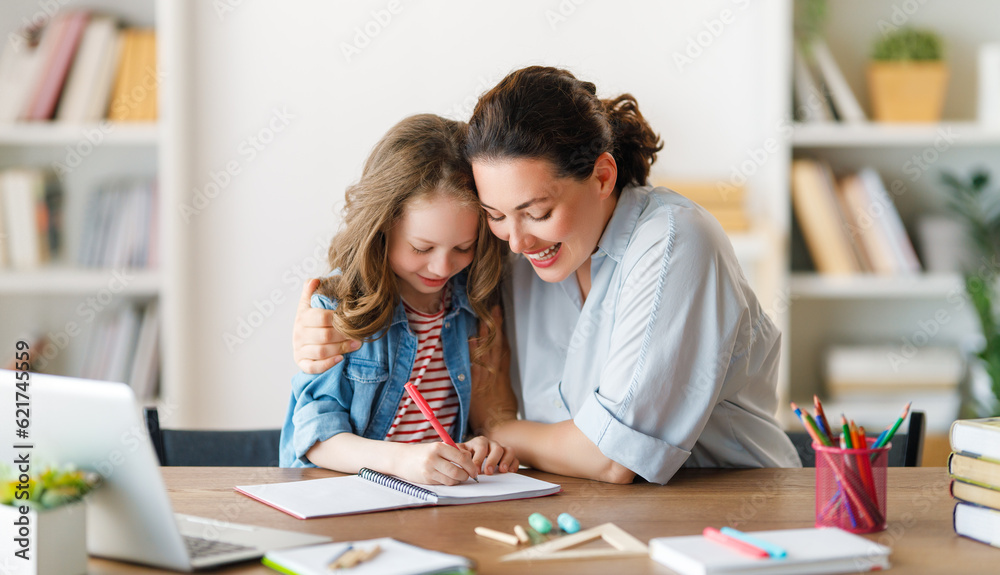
[361, 394]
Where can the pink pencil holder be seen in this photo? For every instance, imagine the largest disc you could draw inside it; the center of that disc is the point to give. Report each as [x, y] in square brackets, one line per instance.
[850, 487]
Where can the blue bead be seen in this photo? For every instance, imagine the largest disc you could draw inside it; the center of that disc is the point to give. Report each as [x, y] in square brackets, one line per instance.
[568, 523]
[540, 523]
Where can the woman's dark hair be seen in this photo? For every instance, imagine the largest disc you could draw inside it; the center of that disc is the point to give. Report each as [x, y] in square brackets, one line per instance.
[540, 112]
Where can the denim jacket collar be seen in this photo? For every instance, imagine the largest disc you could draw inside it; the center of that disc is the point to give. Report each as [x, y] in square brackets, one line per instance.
[459, 300]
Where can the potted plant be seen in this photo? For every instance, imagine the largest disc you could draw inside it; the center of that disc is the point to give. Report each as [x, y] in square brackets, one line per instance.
[978, 209]
[907, 77]
[47, 516]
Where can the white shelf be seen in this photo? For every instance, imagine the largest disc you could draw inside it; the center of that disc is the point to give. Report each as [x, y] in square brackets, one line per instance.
[64, 280]
[927, 286]
[102, 134]
[830, 135]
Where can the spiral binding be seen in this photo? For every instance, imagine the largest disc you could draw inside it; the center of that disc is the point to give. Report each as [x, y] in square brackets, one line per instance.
[397, 484]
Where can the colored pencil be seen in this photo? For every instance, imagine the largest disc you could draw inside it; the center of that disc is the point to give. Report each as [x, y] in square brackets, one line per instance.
[810, 426]
[888, 436]
[821, 418]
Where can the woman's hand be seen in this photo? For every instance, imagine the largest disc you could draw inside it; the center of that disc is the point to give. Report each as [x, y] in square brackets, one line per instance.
[435, 463]
[490, 456]
[316, 344]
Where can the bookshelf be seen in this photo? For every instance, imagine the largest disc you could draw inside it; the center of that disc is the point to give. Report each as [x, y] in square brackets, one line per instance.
[60, 300]
[929, 308]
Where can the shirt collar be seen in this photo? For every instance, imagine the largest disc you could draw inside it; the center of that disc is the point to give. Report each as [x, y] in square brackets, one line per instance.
[621, 225]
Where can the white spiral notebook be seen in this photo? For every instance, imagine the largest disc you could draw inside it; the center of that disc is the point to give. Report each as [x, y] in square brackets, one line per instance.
[370, 491]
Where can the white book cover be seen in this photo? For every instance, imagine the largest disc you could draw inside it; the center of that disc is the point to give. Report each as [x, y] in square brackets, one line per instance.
[810, 101]
[19, 208]
[18, 69]
[145, 366]
[892, 223]
[979, 523]
[810, 551]
[97, 44]
[394, 558]
[843, 98]
[122, 346]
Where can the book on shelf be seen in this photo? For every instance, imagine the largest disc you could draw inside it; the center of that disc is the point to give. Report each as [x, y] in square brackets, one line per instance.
[850, 226]
[979, 523]
[815, 205]
[123, 347]
[88, 87]
[811, 104]
[977, 436]
[845, 105]
[134, 95]
[726, 202]
[119, 225]
[31, 214]
[66, 29]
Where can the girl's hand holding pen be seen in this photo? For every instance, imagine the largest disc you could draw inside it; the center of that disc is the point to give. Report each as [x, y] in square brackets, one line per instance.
[435, 463]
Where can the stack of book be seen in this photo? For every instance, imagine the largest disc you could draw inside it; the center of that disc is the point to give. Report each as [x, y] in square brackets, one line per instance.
[80, 67]
[871, 381]
[850, 226]
[724, 201]
[30, 218]
[119, 228]
[975, 468]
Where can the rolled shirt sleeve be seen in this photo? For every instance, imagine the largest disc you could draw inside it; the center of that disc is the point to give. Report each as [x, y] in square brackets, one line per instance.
[319, 408]
[685, 339]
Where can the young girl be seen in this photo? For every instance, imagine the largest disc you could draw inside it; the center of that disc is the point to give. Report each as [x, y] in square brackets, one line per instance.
[416, 268]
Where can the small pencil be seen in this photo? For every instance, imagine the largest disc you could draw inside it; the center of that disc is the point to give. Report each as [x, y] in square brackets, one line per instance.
[354, 557]
[810, 426]
[846, 431]
[498, 536]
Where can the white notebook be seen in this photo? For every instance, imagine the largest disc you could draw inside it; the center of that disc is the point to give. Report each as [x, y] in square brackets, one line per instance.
[810, 551]
[373, 491]
[394, 558]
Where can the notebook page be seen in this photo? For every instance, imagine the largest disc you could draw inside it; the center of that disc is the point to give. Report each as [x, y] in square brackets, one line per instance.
[329, 496]
[499, 487]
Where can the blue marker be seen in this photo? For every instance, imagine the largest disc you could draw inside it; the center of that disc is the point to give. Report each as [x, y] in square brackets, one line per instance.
[773, 550]
[568, 523]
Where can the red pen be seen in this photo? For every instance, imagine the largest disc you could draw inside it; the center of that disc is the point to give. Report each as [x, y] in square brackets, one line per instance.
[713, 534]
[414, 394]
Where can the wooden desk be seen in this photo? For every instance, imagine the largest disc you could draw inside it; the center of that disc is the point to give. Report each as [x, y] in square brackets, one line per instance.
[920, 510]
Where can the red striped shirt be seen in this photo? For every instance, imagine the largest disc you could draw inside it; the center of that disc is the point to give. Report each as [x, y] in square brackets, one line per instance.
[410, 425]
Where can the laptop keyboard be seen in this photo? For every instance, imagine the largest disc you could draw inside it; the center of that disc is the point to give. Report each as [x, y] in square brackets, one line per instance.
[199, 548]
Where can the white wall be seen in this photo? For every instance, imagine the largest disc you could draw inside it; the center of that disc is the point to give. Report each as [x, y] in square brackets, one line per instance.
[277, 214]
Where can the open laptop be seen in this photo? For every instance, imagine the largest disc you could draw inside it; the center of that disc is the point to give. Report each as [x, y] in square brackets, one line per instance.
[95, 425]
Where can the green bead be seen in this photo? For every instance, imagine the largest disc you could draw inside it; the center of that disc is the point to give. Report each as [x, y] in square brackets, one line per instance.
[540, 523]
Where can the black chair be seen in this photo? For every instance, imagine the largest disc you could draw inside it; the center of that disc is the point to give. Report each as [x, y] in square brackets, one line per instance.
[180, 447]
[907, 448]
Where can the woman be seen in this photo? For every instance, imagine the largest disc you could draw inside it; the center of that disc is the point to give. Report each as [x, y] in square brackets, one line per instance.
[637, 344]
